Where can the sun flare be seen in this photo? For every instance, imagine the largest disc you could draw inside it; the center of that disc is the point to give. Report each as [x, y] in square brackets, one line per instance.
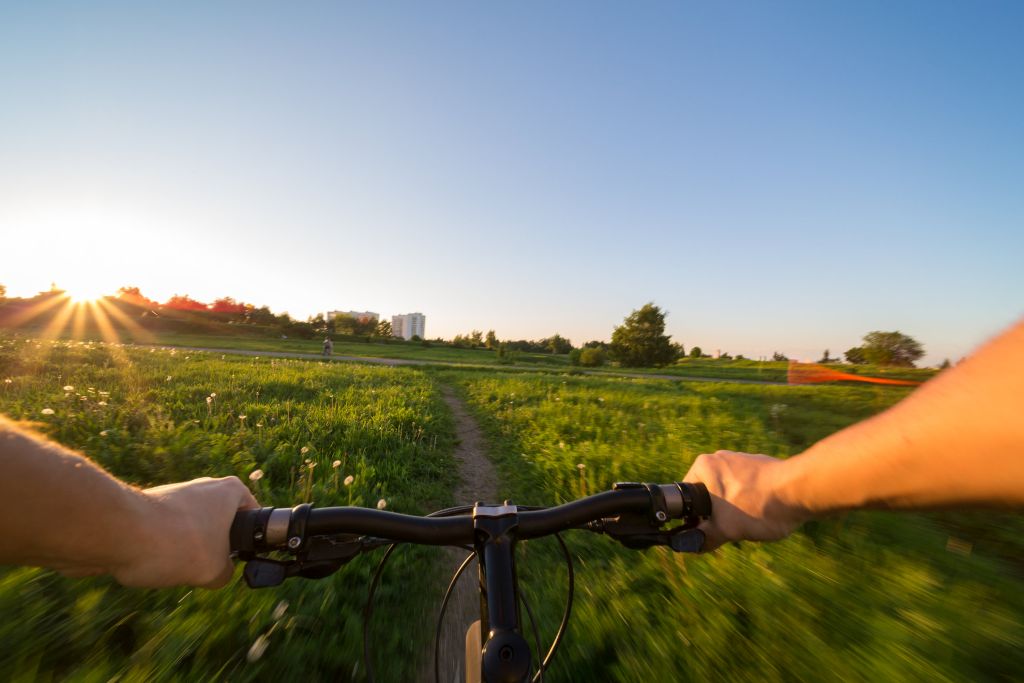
[82, 294]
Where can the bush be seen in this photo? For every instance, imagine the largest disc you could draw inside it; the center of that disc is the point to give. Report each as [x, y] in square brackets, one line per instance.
[590, 358]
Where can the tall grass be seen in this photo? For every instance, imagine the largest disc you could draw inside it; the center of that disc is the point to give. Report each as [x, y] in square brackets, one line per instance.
[144, 415]
[868, 596]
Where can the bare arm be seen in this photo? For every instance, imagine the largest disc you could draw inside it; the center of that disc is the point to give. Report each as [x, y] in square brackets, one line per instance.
[958, 440]
[62, 511]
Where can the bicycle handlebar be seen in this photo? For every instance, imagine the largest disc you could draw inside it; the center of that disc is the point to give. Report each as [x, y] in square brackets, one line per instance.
[267, 529]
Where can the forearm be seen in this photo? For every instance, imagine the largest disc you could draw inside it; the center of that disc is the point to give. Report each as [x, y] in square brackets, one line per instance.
[959, 440]
[62, 511]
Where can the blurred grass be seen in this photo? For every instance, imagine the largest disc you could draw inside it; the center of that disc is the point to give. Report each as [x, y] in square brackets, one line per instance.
[143, 415]
[868, 596]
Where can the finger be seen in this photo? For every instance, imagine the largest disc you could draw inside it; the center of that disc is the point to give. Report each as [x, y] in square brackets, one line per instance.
[223, 578]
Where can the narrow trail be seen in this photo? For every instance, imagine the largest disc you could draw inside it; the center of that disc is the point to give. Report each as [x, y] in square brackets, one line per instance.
[478, 481]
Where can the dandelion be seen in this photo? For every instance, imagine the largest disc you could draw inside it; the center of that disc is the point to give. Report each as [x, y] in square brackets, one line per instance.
[304, 450]
[279, 611]
[105, 432]
[336, 464]
[255, 475]
[209, 400]
[69, 387]
[7, 380]
[101, 403]
[349, 479]
[259, 424]
[104, 393]
[213, 394]
[259, 646]
[381, 504]
[241, 417]
[47, 411]
[580, 466]
[168, 378]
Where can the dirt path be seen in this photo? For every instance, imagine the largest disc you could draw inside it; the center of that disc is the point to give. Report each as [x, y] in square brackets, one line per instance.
[478, 482]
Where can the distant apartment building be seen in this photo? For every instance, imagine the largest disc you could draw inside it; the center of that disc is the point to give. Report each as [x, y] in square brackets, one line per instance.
[361, 316]
[409, 325]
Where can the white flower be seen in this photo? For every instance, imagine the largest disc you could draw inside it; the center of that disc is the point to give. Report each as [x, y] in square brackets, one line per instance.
[279, 611]
[580, 466]
[381, 504]
[209, 400]
[304, 450]
[241, 417]
[213, 394]
[47, 411]
[69, 387]
[101, 403]
[168, 378]
[105, 432]
[8, 380]
[259, 646]
[255, 475]
[349, 479]
[336, 464]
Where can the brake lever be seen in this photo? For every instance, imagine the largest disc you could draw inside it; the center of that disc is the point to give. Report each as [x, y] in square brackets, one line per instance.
[320, 557]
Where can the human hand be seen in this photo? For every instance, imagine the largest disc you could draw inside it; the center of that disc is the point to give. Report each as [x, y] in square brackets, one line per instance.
[746, 499]
[183, 534]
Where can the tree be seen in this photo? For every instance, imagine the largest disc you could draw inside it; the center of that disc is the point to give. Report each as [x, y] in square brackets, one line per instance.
[384, 329]
[3, 292]
[696, 352]
[891, 348]
[592, 357]
[825, 358]
[945, 365]
[641, 340]
[476, 338]
[491, 341]
[184, 302]
[855, 356]
[776, 356]
[557, 344]
[132, 295]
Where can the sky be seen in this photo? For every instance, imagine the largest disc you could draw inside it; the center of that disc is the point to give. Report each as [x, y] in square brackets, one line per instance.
[777, 176]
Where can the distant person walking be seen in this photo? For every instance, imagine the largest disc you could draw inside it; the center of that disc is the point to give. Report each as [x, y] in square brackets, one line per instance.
[328, 346]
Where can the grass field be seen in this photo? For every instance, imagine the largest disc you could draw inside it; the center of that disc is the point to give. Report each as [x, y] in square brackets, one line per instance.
[144, 416]
[864, 597]
[867, 596]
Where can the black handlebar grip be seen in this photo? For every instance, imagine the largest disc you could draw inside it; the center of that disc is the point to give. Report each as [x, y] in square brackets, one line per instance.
[701, 500]
[248, 529]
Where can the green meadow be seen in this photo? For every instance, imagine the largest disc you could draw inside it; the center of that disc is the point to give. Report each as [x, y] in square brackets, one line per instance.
[864, 596]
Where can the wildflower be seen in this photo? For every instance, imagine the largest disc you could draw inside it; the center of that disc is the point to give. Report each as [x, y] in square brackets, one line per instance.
[259, 646]
[241, 417]
[168, 378]
[255, 475]
[47, 411]
[69, 388]
[8, 380]
[336, 464]
[209, 400]
[381, 504]
[304, 450]
[92, 390]
[101, 403]
[580, 466]
[279, 611]
[259, 424]
[213, 394]
[349, 479]
[104, 393]
[105, 432]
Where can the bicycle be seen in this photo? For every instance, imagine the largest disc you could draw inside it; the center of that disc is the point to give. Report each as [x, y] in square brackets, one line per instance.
[321, 541]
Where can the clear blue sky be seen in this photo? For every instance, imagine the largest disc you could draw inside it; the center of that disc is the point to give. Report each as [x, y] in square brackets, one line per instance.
[776, 175]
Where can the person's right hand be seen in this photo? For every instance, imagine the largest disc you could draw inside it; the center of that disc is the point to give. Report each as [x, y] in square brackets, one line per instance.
[183, 534]
[745, 498]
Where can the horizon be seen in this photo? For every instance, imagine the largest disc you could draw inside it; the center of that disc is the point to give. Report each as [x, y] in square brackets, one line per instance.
[776, 179]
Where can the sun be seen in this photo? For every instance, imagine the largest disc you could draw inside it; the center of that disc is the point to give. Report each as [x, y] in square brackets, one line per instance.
[83, 294]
